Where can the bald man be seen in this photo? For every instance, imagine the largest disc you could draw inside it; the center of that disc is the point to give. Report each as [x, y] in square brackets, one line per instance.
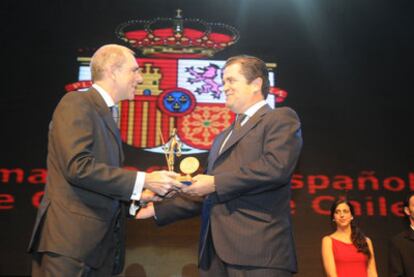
[80, 226]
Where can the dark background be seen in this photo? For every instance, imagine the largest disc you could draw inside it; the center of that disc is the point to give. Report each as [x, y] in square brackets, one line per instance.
[347, 66]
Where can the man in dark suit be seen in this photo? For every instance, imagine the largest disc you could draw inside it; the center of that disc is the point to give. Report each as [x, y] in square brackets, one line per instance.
[80, 227]
[246, 227]
[401, 256]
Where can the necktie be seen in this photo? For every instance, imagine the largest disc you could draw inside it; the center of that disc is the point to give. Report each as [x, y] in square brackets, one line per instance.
[115, 113]
[239, 120]
[205, 222]
[236, 127]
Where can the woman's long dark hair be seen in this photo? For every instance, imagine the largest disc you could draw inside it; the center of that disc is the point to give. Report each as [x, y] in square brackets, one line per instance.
[357, 236]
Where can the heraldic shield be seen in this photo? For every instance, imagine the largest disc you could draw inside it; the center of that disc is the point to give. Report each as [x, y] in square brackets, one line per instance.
[182, 94]
[182, 89]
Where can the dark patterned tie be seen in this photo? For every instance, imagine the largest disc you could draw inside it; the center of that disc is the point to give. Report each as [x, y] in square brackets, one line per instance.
[205, 222]
[205, 214]
[115, 113]
[236, 127]
[239, 120]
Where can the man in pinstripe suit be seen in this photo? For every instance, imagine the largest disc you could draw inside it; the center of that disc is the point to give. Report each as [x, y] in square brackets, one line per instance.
[246, 228]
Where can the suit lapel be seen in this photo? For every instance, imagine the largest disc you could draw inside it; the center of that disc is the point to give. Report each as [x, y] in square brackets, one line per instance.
[410, 234]
[244, 130]
[214, 151]
[105, 113]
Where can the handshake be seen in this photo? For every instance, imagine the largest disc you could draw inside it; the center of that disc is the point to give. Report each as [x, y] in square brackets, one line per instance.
[165, 184]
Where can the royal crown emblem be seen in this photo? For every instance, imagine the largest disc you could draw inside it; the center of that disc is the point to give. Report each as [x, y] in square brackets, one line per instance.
[177, 37]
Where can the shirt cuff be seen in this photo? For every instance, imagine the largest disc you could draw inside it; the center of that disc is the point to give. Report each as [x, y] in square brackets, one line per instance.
[138, 186]
[134, 208]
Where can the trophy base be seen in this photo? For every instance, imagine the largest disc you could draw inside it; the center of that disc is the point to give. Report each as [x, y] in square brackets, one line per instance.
[185, 180]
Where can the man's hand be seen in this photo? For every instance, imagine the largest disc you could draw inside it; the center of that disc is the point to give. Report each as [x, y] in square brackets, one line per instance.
[146, 212]
[201, 186]
[149, 196]
[162, 182]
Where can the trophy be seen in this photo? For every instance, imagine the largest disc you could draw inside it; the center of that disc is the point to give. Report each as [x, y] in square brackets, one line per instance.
[188, 165]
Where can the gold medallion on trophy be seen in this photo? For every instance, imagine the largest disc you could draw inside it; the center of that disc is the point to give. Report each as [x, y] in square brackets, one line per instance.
[188, 166]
